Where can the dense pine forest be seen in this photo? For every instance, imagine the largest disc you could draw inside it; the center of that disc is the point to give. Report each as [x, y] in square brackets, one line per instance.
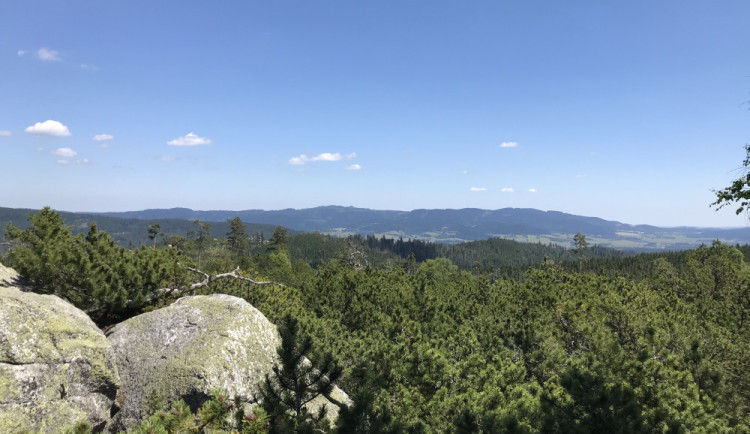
[491, 336]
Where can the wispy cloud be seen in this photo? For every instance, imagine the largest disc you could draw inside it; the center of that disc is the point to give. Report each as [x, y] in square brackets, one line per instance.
[65, 152]
[5, 133]
[477, 189]
[89, 67]
[298, 161]
[48, 128]
[48, 55]
[102, 137]
[325, 156]
[580, 176]
[83, 161]
[507, 190]
[190, 139]
[354, 167]
[166, 158]
[21, 53]
[508, 144]
[532, 190]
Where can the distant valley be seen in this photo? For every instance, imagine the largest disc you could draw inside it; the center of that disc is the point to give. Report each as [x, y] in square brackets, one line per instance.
[459, 225]
[449, 226]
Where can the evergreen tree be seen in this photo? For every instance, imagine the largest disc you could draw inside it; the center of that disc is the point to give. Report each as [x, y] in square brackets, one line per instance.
[580, 248]
[297, 382]
[201, 234]
[278, 240]
[153, 231]
[95, 274]
[237, 238]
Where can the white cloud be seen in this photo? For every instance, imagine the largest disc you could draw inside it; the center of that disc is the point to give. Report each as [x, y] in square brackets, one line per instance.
[48, 128]
[83, 161]
[325, 156]
[354, 167]
[63, 161]
[298, 161]
[48, 55]
[508, 144]
[65, 152]
[190, 140]
[102, 137]
[507, 190]
[532, 190]
[166, 158]
[21, 53]
[5, 133]
[477, 189]
[464, 172]
[88, 67]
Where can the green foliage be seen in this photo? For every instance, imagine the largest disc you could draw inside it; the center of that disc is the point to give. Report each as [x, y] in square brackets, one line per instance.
[153, 231]
[79, 428]
[200, 235]
[279, 239]
[739, 191]
[218, 415]
[297, 382]
[653, 342]
[92, 272]
[237, 238]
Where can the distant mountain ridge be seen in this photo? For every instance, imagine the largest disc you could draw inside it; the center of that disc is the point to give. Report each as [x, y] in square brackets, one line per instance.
[125, 231]
[458, 225]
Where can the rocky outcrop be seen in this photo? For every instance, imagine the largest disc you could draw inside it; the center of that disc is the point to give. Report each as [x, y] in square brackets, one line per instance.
[190, 348]
[56, 366]
[9, 277]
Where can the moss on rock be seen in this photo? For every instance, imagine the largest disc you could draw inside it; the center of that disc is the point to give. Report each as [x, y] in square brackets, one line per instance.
[56, 366]
[190, 348]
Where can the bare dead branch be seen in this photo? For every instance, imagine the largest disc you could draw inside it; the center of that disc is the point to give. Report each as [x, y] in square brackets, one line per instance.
[207, 279]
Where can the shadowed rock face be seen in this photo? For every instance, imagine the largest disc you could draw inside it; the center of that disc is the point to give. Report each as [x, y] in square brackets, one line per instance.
[192, 347]
[56, 366]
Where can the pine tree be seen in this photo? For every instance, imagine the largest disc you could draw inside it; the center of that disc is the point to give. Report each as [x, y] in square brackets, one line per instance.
[153, 231]
[201, 237]
[296, 382]
[95, 274]
[237, 238]
[278, 240]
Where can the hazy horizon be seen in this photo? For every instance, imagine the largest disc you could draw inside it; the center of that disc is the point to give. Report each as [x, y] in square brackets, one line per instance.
[379, 209]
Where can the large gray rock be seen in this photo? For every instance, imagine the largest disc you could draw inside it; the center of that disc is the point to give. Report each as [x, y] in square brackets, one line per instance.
[9, 276]
[190, 348]
[56, 366]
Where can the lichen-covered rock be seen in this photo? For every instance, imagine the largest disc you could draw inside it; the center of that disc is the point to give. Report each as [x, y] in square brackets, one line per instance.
[56, 366]
[8, 276]
[190, 348]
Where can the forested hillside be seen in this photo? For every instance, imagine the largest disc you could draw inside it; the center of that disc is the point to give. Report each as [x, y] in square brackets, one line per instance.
[128, 232]
[426, 346]
[452, 226]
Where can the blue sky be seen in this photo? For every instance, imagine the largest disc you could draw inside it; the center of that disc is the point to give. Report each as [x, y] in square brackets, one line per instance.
[630, 111]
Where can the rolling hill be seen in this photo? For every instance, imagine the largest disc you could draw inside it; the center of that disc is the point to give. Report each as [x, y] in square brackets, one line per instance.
[459, 225]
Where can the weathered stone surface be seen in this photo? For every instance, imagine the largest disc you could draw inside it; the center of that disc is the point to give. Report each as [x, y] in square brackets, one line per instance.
[56, 366]
[190, 348]
[8, 276]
